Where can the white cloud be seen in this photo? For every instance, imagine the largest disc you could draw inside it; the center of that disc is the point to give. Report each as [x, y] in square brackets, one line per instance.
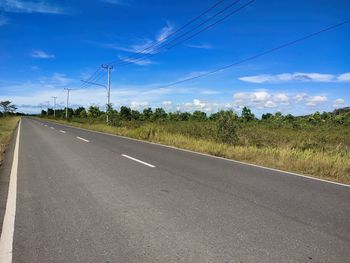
[41, 54]
[270, 104]
[19, 6]
[116, 2]
[259, 96]
[164, 33]
[200, 46]
[344, 77]
[338, 103]
[300, 97]
[139, 62]
[56, 80]
[298, 76]
[147, 45]
[256, 79]
[139, 105]
[167, 103]
[206, 106]
[316, 100]
[263, 99]
[281, 97]
[209, 92]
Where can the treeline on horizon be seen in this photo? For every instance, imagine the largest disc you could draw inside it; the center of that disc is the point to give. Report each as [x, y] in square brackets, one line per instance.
[93, 113]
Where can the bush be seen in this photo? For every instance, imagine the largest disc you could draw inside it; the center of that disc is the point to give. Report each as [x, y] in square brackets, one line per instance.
[226, 127]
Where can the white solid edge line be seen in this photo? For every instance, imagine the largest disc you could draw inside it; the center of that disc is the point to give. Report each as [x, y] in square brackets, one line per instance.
[8, 226]
[45, 125]
[62, 131]
[139, 161]
[52, 128]
[213, 156]
[82, 139]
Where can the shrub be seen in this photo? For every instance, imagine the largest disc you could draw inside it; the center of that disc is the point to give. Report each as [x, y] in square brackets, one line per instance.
[226, 127]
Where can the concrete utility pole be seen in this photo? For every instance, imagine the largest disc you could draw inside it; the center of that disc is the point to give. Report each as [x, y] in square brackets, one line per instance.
[41, 107]
[48, 105]
[67, 104]
[54, 106]
[108, 67]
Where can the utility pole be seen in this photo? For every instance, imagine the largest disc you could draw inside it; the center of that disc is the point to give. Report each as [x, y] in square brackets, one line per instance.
[41, 107]
[67, 104]
[54, 106]
[48, 105]
[108, 68]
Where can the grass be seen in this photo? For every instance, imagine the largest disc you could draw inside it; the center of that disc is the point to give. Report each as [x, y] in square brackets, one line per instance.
[322, 152]
[7, 126]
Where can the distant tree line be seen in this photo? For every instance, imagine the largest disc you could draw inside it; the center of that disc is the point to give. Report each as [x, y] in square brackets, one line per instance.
[340, 116]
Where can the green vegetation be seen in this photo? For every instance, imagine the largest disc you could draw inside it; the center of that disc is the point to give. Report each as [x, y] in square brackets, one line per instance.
[8, 123]
[316, 144]
[7, 126]
[7, 108]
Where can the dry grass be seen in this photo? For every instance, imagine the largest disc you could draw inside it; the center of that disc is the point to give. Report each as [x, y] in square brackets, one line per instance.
[7, 126]
[329, 164]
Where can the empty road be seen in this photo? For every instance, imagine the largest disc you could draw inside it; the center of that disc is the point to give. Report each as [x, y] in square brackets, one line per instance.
[88, 197]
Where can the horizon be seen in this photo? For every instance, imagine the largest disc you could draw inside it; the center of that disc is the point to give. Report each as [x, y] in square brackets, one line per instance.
[50, 46]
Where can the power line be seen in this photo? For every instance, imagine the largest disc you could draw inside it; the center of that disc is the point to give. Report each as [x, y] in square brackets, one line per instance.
[93, 74]
[97, 77]
[162, 45]
[261, 54]
[90, 79]
[150, 47]
[211, 25]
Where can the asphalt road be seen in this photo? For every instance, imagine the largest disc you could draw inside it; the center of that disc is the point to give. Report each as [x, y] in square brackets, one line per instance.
[89, 197]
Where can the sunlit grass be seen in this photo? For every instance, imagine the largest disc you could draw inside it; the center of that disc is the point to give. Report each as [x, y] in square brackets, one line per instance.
[7, 126]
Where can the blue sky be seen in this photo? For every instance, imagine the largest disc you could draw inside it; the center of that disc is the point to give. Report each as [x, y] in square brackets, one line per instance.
[47, 46]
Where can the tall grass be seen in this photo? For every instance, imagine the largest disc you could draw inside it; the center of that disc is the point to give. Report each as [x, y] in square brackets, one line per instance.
[317, 151]
[7, 126]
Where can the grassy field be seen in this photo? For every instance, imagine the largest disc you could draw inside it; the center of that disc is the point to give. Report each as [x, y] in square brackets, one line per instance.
[320, 151]
[7, 126]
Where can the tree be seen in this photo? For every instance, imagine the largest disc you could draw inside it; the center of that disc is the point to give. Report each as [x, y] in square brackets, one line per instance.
[125, 113]
[266, 116]
[199, 116]
[184, 116]
[213, 116]
[289, 118]
[147, 114]
[83, 114]
[159, 114]
[94, 112]
[135, 115]
[50, 111]
[226, 126]
[62, 113]
[78, 111]
[7, 107]
[247, 114]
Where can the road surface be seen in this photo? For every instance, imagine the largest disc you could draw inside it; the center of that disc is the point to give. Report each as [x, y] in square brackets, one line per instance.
[89, 197]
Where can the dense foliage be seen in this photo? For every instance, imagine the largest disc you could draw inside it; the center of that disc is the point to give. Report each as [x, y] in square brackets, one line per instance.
[159, 115]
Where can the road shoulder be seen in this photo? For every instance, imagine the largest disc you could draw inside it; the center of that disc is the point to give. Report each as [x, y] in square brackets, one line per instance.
[5, 172]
